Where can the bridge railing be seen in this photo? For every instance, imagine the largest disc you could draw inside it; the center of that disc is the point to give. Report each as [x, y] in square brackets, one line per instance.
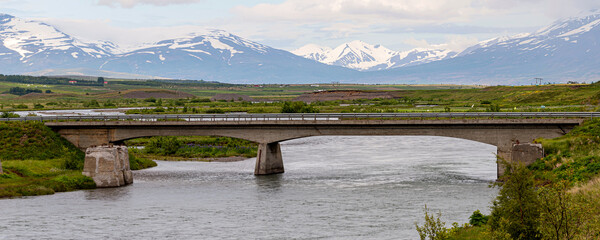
[306, 116]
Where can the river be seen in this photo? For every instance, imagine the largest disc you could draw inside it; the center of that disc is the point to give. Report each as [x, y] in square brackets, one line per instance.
[334, 188]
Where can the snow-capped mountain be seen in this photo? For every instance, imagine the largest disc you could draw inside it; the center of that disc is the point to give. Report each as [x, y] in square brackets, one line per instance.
[566, 50]
[366, 57]
[218, 55]
[31, 45]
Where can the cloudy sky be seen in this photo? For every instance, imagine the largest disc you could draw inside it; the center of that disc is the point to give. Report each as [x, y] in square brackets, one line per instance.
[289, 24]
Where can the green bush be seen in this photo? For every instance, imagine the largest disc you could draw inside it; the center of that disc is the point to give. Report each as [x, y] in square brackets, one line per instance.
[21, 106]
[91, 104]
[477, 219]
[298, 107]
[9, 115]
[215, 111]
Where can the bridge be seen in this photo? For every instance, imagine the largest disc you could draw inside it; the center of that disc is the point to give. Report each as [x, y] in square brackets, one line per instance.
[503, 130]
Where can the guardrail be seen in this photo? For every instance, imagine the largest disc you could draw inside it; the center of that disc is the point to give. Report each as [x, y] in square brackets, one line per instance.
[306, 116]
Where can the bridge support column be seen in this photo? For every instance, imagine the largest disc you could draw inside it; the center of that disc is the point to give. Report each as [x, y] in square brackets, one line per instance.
[108, 166]
[526, 153]
[268, 159]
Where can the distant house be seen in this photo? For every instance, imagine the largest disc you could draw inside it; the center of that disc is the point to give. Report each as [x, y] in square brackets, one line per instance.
[72, 82]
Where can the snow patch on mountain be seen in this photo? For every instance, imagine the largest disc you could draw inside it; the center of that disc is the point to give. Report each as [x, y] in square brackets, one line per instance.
[366, 57]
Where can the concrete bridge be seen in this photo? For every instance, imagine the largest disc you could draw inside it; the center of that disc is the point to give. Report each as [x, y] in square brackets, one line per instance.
[503, 130]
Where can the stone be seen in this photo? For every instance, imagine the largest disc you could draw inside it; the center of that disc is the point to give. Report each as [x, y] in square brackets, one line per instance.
[527, 153]
[1, 172]
[108, 166]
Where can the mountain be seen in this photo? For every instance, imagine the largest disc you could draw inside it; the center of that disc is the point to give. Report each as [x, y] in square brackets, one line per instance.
[365, 57]
[566, 50]
[38, 48]
[30, 46]
[221, 56]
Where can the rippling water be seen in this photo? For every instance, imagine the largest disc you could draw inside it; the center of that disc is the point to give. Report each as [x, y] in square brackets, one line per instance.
[333, 188]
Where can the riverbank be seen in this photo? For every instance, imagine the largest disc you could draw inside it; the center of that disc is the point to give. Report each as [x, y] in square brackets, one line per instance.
[193, 148]
[37, 161]
[559, 193]
[181, 159]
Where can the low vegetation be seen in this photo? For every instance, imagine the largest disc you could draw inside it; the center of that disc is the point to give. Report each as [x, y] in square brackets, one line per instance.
[198, 147]
[555, 198]
[37, 161]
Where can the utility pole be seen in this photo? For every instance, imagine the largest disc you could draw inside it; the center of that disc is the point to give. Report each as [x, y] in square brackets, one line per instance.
[538, 80]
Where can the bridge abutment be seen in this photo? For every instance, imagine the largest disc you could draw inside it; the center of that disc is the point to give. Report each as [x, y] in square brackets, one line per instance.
[108, 166]
[268, 159]
[526, 153]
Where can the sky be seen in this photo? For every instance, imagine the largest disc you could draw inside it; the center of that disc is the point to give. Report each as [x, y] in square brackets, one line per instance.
[289, 24]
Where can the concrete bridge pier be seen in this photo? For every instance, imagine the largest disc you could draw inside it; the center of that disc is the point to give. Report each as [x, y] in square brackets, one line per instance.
[108, 166]
[268, 159]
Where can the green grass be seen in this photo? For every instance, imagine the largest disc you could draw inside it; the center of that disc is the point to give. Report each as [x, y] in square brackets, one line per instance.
[458, 98]
[37, 161]
[470, 233]
[195, 147]
[137, 162]
[574, 157]
[40, 177]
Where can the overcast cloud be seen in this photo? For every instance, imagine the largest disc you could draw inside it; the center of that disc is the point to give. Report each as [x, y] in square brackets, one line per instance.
[133, 3]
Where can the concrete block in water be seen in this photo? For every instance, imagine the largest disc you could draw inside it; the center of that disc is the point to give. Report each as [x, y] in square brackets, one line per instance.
[108, 166]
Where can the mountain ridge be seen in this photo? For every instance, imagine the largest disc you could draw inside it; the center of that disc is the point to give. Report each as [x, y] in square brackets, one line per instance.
[362, 56]
[565, 50]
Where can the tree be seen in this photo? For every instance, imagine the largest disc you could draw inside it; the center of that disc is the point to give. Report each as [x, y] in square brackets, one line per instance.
[560, 215]
[517, 204]
[100, 80]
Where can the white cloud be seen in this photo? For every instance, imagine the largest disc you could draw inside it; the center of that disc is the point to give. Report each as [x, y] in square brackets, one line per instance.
[455, 43]
[406, 12]
[94, 30]
[358, 10]
[133, 3]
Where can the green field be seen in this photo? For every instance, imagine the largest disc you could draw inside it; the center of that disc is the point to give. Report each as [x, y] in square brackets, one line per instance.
[409, 98]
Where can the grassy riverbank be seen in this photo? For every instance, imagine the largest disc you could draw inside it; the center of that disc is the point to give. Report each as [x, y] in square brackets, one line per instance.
[37, 161]
[554, 198]
[198, 148]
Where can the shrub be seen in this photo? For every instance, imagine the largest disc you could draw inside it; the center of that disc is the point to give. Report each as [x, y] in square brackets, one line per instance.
[91, 104]
[433, 228]
[200, 100]
[215, 111]
[298, 107]
[21, 106]
[477, 219]
[9, 115]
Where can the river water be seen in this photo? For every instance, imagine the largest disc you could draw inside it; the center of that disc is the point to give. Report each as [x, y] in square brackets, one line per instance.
[333, 188]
